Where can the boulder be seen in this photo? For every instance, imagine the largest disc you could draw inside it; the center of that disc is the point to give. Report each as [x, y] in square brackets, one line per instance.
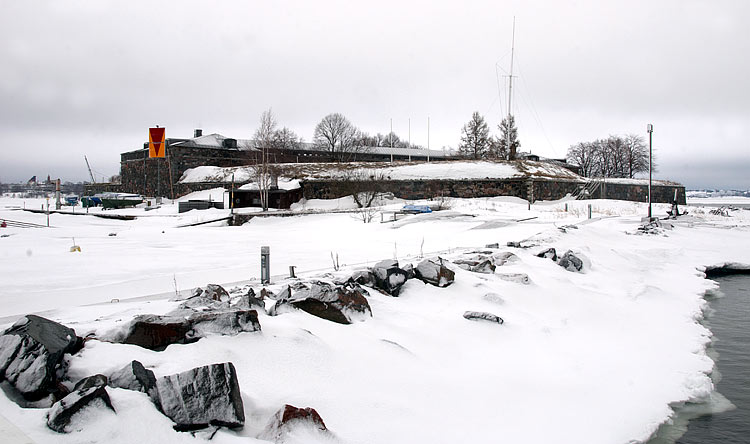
[433, 271]
[389, 277]
[290, 417]
[570, 262]
[495, 245]
[341, 303]
[549, 253]
[203, 396]
[136, 377]
[409, 270]
[157, 332]
[249, 301]
[482, 316]
[364, 277]
[476, 264]
[504, 258]
[223, 323]
[31, 354]
[215, 292]
[89, 391]
[519, 278]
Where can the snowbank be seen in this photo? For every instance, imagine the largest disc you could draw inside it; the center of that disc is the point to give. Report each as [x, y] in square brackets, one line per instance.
[594, 357]
[453, 170]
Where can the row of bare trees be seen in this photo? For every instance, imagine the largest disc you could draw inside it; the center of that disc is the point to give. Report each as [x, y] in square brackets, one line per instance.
[615, 156]
[478, 143]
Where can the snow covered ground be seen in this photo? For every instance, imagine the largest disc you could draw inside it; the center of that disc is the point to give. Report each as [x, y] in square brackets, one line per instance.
[594, 357]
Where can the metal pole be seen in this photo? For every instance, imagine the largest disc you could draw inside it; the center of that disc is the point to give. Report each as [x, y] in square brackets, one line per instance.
[650, 129]
[428, 139]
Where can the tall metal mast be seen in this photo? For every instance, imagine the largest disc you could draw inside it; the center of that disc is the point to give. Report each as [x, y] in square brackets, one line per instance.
[511, 152]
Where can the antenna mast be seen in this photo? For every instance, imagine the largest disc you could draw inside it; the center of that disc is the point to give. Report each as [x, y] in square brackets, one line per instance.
[511, 151]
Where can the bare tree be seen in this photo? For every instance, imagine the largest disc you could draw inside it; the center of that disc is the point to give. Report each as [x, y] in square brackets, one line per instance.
[615, 156]
[475, 138]
[636, 158]
[582, 154]
[264, 140]
[508, 140]
[286, 139]
[337, 135]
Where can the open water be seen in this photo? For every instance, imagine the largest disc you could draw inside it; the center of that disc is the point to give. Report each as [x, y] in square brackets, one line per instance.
[726, 418]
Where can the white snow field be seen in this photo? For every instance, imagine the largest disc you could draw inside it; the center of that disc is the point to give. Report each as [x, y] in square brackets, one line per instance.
[594, 357]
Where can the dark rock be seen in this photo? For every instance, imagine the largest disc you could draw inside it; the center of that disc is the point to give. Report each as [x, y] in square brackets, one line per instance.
[433, 271]
[341, 304]
[482, 316]
[31, 353]
[203, 396]
[514, 244]
[570, 262]
[89, 391]
[389, 277]
[157, 332]
[290, 417]
[549, 253]
[136, 377]
[91, 381]
[492, 245]
[519, 278]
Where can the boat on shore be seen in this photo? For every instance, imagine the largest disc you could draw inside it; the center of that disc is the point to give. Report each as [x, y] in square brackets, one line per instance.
[119, 200]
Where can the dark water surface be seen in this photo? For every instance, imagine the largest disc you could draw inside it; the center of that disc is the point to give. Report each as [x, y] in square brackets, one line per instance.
[730, 323]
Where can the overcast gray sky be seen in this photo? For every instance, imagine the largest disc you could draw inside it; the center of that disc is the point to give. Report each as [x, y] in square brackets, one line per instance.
[89, 77]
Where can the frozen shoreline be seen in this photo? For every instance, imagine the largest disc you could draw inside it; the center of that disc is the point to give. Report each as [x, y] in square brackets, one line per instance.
[599, 355]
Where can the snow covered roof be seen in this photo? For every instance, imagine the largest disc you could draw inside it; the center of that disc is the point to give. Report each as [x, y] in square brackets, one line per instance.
[214, 140]
[449, 170]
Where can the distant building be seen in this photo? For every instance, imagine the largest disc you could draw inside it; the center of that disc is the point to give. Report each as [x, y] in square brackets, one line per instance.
[139, 174]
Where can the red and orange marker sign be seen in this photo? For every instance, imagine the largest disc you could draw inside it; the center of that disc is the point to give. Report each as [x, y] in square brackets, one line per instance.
[156, 142]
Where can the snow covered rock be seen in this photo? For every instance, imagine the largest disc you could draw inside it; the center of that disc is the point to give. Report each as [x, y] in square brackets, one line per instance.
[549, 253]
[389, 277]
[249, 301]
[570, 262]
[478, 263]
[341, 303]
[504, 258]
[203, 396]
[289, 418]
[89, 391]
[223, 323]
[433, 271]
[494, 298]
[136, 377]
[409, 270]
[519, 278]
[482, 316]
[215, 292]
[363, 277]
[157, 332]
[31, 353]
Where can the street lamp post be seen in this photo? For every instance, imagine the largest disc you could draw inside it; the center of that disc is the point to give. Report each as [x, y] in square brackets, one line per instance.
[650, 130]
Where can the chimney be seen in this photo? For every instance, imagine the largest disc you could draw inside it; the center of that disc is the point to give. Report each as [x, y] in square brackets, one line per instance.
[197, 133]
